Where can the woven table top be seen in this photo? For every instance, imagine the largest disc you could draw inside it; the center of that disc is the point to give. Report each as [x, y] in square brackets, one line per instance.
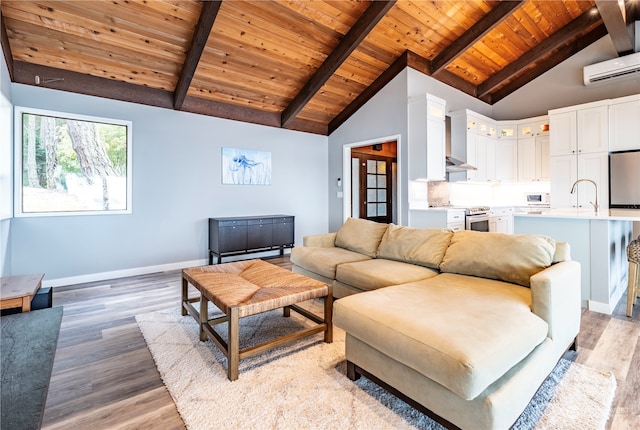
[253, 286]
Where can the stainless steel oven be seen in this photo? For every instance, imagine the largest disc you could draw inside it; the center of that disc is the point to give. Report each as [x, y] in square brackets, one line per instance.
[477, 218]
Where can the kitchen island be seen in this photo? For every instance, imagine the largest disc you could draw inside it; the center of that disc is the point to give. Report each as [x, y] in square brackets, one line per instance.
[598, 241]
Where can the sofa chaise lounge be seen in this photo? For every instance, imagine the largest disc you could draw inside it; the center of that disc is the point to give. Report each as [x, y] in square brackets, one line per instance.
[465, 326]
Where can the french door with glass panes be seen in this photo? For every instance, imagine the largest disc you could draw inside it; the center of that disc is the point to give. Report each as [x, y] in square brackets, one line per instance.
[375, 188]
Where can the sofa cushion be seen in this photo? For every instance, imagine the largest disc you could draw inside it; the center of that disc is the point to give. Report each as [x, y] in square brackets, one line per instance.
[506, 257]
[425, 247]
[462, 332]
[360, 235]
[378, 273]
[323, 261]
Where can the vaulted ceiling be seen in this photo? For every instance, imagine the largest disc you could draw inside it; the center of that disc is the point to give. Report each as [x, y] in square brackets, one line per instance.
[299, 64]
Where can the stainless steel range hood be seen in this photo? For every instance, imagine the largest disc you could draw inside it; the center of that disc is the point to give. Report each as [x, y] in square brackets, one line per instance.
[455, 165]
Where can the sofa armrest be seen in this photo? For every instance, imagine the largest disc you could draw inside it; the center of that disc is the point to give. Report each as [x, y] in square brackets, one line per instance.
[326, 240]
[556, 298]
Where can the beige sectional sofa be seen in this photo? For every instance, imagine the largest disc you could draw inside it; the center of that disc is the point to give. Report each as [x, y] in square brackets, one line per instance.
[466, 326]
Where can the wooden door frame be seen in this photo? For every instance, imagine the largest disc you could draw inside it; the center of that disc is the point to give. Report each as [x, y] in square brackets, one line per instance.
[346, 174]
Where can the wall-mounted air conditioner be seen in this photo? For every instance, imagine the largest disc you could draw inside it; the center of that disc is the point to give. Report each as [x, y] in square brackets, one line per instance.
[612, 69]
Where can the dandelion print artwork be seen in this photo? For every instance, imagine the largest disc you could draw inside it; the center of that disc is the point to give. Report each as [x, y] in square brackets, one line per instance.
[246, 167]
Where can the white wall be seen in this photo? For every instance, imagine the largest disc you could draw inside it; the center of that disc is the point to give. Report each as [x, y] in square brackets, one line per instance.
[177, 185]
[563, 86]
[419, 84]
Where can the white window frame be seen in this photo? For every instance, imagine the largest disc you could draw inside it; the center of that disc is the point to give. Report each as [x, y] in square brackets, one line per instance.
[18, 160]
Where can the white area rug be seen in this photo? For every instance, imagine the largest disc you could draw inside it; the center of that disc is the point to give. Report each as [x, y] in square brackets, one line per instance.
[304, 385]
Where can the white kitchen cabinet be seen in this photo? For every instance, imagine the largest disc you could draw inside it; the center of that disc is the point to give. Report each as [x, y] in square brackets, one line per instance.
[501, 220]
[507, 131]
[533, 158]
[567, 169]
[593, 129]
[456, 219]
[486, 158]
[564, 138]
[426, 138]
[506, 160]
[579, 129]
[436, 137]
[437, 218]
[594, 166]
[624, 123]
[533, 149]
[579, 153]
[564, 172]
[536, 126]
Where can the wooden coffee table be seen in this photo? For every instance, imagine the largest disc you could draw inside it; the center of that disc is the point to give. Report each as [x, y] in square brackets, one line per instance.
[18, 291]
[244, 288]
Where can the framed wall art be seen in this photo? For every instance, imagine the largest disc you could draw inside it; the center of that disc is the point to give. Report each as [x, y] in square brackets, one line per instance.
[246, 167]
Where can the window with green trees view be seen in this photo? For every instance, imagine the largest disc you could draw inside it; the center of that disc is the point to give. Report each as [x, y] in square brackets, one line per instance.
[70, 164]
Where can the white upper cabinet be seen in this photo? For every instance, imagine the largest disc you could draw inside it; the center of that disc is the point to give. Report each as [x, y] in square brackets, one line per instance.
[538, 126]
[533, 158]
[624, 123]
[506, 156]
[427, 135]
[593, 129]
[564, 137]
[533, 149]
[507, 131]
[580, 129]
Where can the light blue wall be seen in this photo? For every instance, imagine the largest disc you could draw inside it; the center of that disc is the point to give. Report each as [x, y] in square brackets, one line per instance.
[384, 115]
[176, 187]
[6, 174]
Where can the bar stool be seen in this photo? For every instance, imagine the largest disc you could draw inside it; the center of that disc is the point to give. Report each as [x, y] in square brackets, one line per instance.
[633, 255]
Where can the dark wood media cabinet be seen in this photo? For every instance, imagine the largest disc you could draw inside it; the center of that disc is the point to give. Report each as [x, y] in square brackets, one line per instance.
[231, 236]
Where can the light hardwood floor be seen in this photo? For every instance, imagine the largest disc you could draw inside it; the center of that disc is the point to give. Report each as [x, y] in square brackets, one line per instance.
[105, 378]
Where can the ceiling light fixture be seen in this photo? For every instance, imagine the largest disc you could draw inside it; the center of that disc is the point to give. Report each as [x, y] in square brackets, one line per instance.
[42, 80]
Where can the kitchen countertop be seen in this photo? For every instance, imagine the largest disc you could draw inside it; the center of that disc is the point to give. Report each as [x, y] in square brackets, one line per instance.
[603, 214]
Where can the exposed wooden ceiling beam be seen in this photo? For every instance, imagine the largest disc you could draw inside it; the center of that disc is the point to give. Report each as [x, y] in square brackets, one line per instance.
[25, 73]
[6, 48]
[374, 13]
[487, 23]
[614, 17]
[200, 36]
[228, 111]
[558, 57]
[556, 40]
[81, 83]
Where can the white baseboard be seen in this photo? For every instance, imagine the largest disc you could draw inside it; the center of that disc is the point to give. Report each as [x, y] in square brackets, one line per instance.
[94, 277]
[603, 308]
[608, 308]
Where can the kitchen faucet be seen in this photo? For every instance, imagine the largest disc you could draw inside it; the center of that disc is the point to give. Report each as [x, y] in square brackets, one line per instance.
[573, 190]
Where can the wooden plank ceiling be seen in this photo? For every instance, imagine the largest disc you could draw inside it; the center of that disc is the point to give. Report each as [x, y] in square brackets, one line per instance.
[299, 64]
